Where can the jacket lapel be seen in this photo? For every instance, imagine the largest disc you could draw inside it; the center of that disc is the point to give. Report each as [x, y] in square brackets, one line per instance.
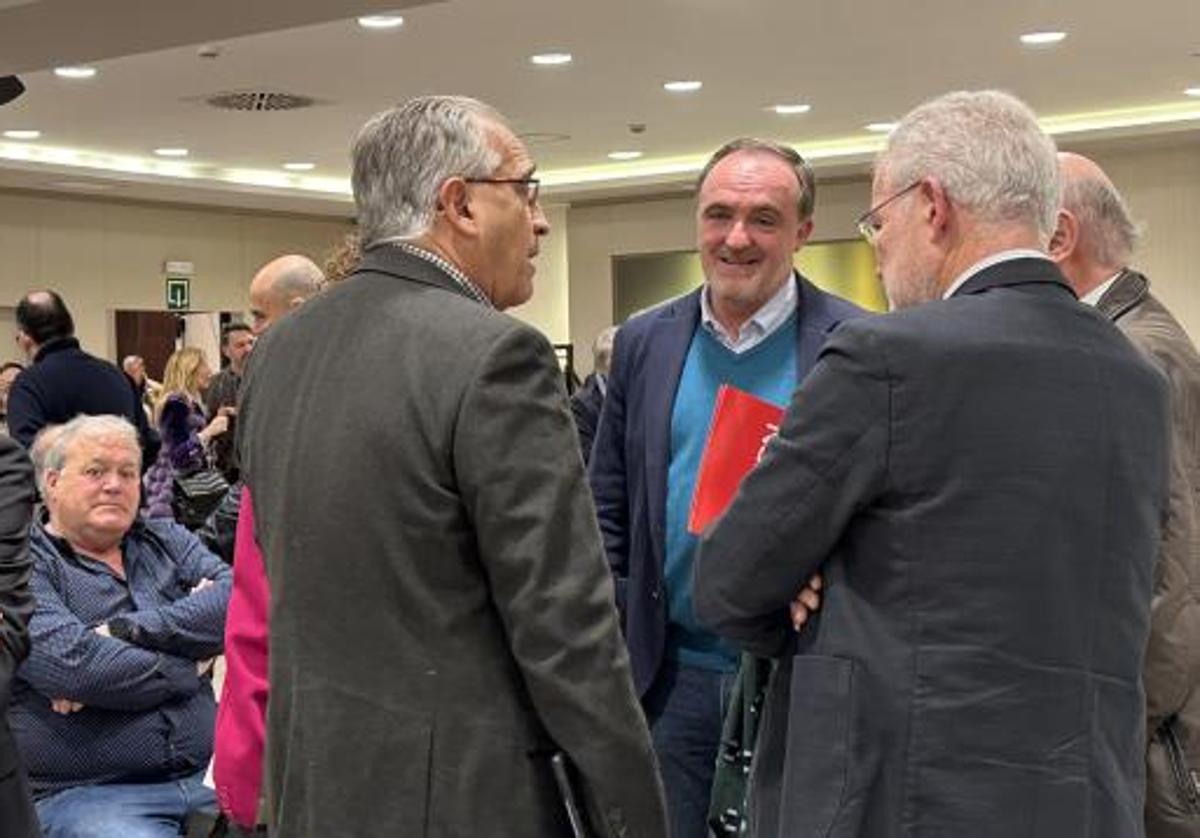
[666, 349]
[814, 321]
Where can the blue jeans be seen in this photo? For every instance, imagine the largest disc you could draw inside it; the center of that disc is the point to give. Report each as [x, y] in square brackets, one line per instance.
[131, 810]
[685, 707]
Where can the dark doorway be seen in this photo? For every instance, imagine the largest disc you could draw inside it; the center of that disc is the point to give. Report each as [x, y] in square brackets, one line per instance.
[151, 334]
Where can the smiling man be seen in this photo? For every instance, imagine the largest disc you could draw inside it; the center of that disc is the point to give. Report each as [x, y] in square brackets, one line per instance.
[756, 324]
[442, 618]
[981, 475]
[113, 711]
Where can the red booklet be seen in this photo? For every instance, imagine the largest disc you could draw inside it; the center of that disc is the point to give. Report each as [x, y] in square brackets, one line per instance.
[737, 436]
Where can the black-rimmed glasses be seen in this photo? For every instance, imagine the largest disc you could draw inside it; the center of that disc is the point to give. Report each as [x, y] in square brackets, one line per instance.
[529, 186]
[868, 223]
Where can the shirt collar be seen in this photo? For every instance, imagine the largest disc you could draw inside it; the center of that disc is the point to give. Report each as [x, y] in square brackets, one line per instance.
[461, 279]
[989, 261]
[1092, 297]
[769, 317]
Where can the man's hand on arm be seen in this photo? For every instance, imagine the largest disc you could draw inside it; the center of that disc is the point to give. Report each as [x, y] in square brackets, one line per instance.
[806, 602]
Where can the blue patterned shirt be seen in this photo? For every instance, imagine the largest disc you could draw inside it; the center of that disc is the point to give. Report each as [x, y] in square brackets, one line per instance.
[147, 715]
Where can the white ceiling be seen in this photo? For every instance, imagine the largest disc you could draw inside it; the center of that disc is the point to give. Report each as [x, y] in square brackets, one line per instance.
[853, 62]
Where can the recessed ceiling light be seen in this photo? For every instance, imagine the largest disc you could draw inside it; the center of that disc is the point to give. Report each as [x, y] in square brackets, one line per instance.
[1193, 91]
[299, 167]
[1041, 39]
[551, 59]
[683, 86]
[624, 155]
[791, 110]
[22, 134]
[171, 152]
[74, 72]
[882, 127]
[380, 21]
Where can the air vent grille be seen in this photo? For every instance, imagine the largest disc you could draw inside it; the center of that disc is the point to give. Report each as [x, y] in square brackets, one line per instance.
[259, 100]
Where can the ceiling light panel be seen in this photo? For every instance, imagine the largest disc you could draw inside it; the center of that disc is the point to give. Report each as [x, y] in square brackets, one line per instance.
[381, 22]
[1042, 39]
[22, 134]
[682, 86]
[791, 110]
[551, 59]
[171, 152]
[78, 72]
[624, 155]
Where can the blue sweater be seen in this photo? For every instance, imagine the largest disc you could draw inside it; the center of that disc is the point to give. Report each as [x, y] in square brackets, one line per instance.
[768, 370]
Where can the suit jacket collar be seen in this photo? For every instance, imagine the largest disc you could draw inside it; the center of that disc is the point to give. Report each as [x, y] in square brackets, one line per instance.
[1014, 272]
[1129, 289]
[393, 261]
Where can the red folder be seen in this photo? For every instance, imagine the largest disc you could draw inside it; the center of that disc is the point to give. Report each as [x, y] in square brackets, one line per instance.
[737, 436]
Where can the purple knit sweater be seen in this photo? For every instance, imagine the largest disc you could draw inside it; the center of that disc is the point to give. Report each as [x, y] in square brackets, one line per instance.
[182, 452]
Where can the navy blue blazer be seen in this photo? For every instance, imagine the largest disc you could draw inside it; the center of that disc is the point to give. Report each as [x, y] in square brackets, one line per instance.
[628, 469]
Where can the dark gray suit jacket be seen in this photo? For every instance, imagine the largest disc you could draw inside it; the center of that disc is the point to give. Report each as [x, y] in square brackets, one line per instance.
[17, 818]
[442, 614]
[982, 480]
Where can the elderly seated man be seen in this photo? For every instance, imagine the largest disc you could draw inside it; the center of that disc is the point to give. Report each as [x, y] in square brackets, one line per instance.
[113, 710]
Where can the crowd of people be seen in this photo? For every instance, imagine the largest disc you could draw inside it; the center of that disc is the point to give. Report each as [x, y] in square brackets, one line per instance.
[959, 594]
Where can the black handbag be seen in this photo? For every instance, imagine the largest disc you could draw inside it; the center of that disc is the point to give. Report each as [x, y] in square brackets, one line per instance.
[196, 495]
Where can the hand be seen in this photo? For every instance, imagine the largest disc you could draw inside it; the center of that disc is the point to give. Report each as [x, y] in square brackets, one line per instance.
[201, 585]
[218, 426]
[103, 630]
[202, 667]
[228, 410]
[806, 602]
[65, 706]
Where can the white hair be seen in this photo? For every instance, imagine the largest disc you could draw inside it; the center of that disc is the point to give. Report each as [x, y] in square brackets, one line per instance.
[403, 156]
[986, 150]
[62, 438]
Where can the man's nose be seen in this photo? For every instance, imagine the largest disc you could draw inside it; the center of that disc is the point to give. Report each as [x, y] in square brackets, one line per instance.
[737, 236]
[541, 226]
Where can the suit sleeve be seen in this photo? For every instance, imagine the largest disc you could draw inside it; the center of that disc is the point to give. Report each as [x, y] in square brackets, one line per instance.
[523, 487]
[606, 471]
[828, 462]
[26, 413]
[16, 600]
[1172, 668]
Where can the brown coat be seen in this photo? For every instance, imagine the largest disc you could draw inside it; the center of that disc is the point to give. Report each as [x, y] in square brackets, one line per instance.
[1172, 673]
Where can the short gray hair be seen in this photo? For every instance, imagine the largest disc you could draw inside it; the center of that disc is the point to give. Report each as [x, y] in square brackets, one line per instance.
[300, 277]
[805, 179]
[403, 156]
[987, 151]
[1107, 229]
[62, 437]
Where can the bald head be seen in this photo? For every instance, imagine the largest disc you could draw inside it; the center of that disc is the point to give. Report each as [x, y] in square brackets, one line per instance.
[280, 286]
[1095, 235]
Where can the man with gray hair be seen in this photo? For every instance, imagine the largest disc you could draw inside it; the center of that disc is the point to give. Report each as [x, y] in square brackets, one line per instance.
[1093, 245]
[454, 633]
[280, 286]
[981, 475]
[113, 709]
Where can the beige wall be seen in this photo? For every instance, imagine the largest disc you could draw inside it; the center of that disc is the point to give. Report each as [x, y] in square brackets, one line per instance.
[1161, 184]
[106, 255]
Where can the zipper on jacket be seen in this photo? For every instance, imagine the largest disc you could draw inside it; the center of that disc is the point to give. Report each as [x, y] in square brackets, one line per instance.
[1186, 779]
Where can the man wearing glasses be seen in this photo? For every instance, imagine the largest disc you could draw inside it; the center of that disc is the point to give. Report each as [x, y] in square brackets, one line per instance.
[442, 616]
[980, 475]
[755, 324]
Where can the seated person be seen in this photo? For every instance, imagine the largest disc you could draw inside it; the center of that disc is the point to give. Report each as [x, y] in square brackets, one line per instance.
[113, 710]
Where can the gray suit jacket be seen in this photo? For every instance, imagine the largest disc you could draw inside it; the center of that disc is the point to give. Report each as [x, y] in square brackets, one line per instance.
[982, 480]
[442, 614]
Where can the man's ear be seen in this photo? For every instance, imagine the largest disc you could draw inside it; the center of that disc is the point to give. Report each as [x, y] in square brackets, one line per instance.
[936, 206]
[802, 233]
[1065, 238]
[454, 205]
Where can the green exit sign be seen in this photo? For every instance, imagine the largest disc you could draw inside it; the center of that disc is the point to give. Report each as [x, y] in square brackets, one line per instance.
[179, 293]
